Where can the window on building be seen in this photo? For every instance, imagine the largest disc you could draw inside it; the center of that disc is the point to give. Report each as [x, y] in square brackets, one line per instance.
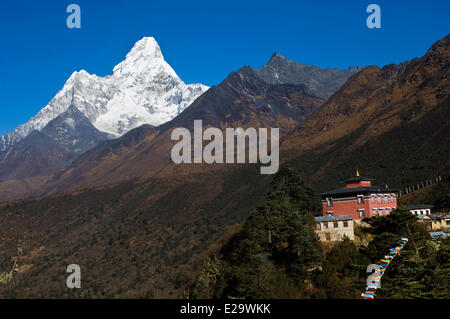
[318, 226]
[327, 236]
[379, 199]
[330, 213]
[345, 223]
[325, 224]
[380, 211]
[373, 199]
[386, 199]
[329, 201]
[335, 224]
[447, 222]
[361, 213]
[374, 211]
[360, 199]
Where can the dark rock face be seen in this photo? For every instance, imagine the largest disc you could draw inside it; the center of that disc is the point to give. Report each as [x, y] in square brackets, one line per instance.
[245, 99]
[42, 153]
[74, 131]
[321, 82]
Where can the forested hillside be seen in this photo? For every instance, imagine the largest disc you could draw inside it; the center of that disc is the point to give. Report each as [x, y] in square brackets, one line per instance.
[276, 254]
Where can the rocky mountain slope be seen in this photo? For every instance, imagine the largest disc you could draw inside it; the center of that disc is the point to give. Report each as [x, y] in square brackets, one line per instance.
[74, 131]
[321, 82]
[41, 154]
[393, 122]
[243, 99]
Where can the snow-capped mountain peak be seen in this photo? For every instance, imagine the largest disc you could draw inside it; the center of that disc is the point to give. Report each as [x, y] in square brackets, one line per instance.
[143, 89]
[145, 57]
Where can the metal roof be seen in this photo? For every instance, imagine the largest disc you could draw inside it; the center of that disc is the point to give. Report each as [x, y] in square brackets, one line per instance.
[437, 234]
[332, 218]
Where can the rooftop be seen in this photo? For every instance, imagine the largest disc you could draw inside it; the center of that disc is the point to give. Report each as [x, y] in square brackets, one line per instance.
[357, 179]
[359, 190]
[419, 206]
[438, 234]
[332, 218]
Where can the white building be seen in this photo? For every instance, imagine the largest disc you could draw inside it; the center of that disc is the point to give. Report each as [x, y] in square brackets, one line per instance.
[420, 210]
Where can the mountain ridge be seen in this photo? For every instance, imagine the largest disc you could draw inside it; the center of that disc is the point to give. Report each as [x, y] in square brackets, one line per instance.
[322, 82]
[376, 107]
[244, 98]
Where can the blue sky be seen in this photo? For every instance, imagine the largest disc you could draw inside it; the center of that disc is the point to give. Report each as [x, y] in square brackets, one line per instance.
[202, 40]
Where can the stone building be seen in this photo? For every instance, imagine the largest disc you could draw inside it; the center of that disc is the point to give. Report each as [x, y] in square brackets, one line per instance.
[439, 223]
[334, 228]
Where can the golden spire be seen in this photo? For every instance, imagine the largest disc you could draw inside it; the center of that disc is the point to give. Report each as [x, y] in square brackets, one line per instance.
[357, 173]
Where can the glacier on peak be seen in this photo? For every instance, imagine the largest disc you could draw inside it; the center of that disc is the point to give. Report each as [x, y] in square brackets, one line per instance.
[144, 57]
[143, 89]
